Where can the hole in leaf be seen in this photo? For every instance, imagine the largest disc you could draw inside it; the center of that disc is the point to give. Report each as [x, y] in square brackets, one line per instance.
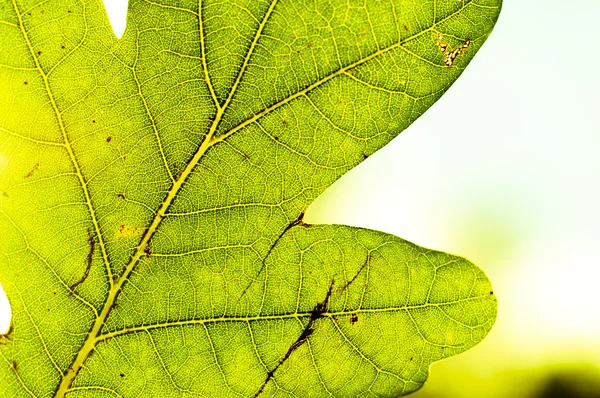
[5, 312]
[117, 15]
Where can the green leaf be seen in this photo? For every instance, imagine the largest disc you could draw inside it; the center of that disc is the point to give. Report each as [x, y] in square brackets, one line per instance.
[152, 190]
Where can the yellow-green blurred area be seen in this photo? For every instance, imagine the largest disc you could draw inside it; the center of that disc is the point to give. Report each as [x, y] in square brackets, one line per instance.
[504, 170]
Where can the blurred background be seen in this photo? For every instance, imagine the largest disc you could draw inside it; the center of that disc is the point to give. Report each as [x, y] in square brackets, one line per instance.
[514, 187]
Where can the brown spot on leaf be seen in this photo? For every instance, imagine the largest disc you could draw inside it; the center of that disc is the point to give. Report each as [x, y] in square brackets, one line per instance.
[6, 335]
[148, 251]
[353, 319]
[126, 231]
[121, 196]
[89, 259]
[15, 366]
[406, 28]
[25, 83]
[108, 139]
[450, 55]
[40, 52]
[362, 268]
[316, 314]
[32, 172]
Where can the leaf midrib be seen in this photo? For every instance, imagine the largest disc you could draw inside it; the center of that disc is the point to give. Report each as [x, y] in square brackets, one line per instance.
[93, 336]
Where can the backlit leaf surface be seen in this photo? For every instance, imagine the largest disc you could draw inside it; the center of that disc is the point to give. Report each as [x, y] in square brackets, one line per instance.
[152, 190]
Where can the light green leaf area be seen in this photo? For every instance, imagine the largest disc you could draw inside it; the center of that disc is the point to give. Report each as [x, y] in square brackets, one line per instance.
[152, 190]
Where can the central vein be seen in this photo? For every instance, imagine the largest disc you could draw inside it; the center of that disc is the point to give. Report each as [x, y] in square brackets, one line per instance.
[92, 338]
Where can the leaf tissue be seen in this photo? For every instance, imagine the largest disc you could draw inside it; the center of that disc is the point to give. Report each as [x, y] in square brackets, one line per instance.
[152, 192]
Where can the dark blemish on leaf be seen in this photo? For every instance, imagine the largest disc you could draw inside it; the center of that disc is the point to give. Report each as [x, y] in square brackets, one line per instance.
[40, 52]
[296, 222]
[70, 11]
[115, 278]
[246, 156]
[353, 319]
[108, 139]
[63, 47]
[365, 156]
[276, 138]
[15, 366]
[179, 173]
[126, 231]
[147, 251]
[491, 293]
[89, 259]
[35, 168]
[411, 358]
[93, 121]
[316, 313]
[450, 55]
[121, 374]
[121, 196]
[6, 336]
[284, 122]
[54, 293]
[368, 259]
[406, 28]
[25, 83]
